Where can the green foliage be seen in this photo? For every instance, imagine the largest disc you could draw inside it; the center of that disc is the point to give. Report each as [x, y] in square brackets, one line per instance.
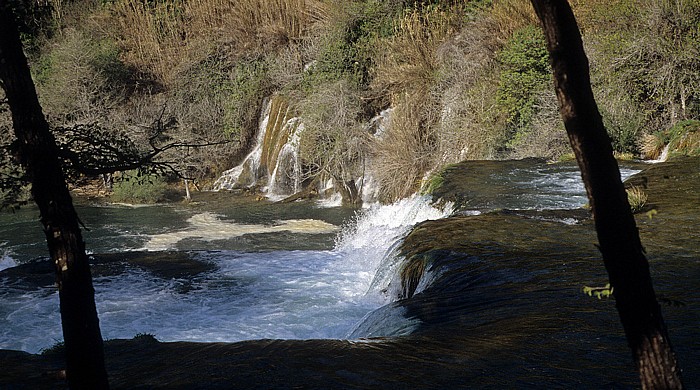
[647, 50]
[525, 72]
[217, 100]
[247, 84]
[14, 188]
[624, 137]
[623, 120]
[80, 77]
[683, 138]
[599, 292]
[135, 187]
[680, 129]
[349, 50]
[435, 181]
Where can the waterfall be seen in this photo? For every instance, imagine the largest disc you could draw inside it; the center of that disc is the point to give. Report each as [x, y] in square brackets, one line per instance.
[285, 178]
[274, 164]
[379, 124]
[369, 242]
[663, 157]
[275, 156]
[246, 174]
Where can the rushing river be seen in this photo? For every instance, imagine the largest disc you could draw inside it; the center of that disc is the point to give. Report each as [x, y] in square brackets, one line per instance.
[229, 268]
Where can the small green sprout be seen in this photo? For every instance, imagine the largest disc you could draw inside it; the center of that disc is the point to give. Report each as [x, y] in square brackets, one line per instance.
[599, 292]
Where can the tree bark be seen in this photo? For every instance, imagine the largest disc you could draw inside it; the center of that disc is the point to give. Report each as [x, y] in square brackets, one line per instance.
[622, 251]
[38, 154]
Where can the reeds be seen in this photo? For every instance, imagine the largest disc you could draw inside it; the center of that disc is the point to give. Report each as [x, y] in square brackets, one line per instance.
[637, 198]
[163, 36]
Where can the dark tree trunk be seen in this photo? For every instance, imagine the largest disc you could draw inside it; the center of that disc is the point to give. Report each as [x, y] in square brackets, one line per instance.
[38, 154]
[618, 236]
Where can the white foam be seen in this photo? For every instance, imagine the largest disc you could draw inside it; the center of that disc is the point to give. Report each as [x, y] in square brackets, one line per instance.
[663, 157]
[6, 259]
[376, 231]
[209, 227]
[7, 262]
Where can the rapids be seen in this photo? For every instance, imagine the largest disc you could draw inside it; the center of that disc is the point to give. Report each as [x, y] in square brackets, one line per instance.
[266, 278]
[499, 267]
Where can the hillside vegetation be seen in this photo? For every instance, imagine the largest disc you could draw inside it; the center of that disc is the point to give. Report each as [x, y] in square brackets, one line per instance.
[463, 79]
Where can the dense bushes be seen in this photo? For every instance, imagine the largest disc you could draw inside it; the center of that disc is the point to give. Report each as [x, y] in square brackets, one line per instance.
[466, 80]
[525, 73]
[132, 187]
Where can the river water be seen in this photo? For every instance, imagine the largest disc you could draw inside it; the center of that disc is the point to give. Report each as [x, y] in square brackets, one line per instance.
[230, 268]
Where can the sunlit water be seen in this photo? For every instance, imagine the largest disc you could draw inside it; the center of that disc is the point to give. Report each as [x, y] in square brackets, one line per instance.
[278, 271]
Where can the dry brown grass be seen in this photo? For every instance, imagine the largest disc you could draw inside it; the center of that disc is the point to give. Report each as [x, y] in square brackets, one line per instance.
[637, 198]
[251, 24]
[411, 59]
[406, 152]
[163, 37]
[652, 146]
[151, 35]
[409, 76]
[511, 15]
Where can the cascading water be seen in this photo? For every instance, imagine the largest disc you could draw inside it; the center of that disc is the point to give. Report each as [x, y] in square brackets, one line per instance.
[246, 174]
[6, 261]
[275, 156]
[251, 285]
[285, 179]
[241, 295]
[498, 304]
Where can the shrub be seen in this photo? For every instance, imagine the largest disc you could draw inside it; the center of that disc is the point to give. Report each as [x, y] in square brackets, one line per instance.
[684, 138]
[409, 61]
[525, 73]
[434, 182]
[35, 22]
[470, 123]
[405, 152]
[58, 347]
[546, 136]
[133, 187]
[333, 141]
[623, 119]
[145, 338]
[81, 78]
[637, 198]
[652, 146]
[346, 46]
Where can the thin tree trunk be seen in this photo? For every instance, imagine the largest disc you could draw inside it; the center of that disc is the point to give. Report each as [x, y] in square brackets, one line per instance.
[38, 154]
[618, 236]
